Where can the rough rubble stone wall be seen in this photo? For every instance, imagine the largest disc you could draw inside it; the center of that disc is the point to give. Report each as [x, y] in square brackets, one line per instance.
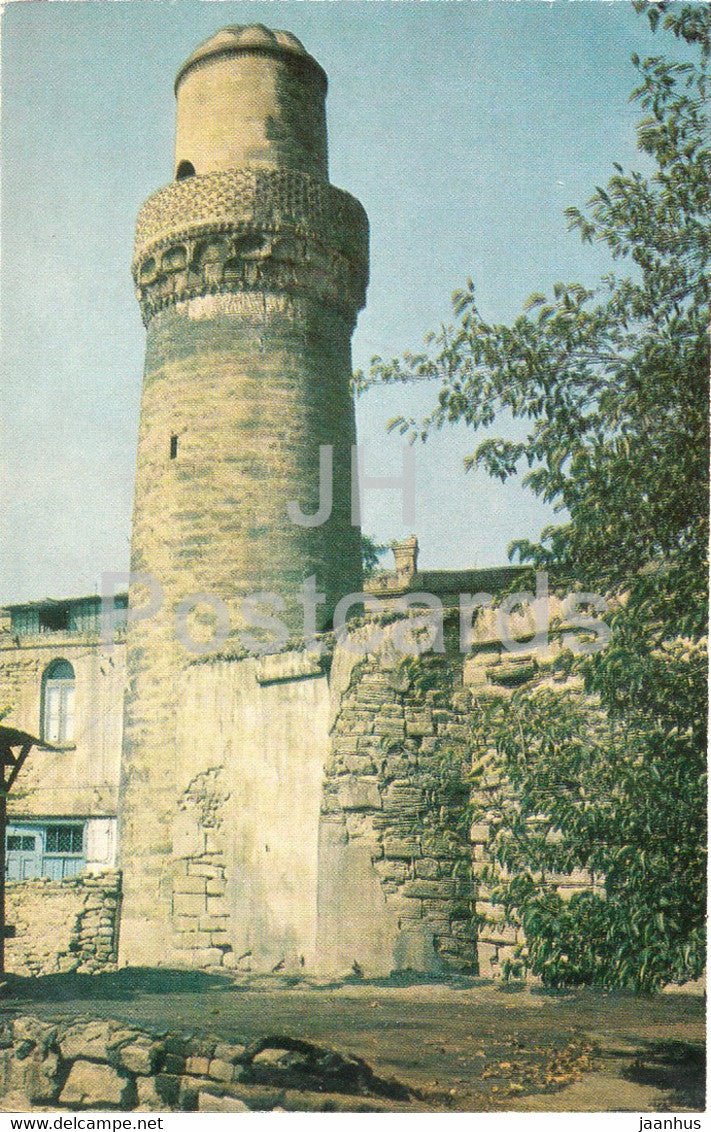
[62, 926]
[492, 672]
[400, 727]
[406, 880]
[101, 1064]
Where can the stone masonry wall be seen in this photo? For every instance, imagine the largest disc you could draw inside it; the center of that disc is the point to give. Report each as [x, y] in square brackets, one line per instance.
[393, 794]
[406, 879]
[101, 1064]
[245, 829]
[490, 672]
[201, 914]
[90, 762]
[63, 926]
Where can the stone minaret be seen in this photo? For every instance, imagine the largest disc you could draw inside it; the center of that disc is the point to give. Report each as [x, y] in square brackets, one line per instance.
[250, 270]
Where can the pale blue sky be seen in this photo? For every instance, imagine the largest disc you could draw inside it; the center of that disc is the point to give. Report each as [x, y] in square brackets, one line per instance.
[464, 127]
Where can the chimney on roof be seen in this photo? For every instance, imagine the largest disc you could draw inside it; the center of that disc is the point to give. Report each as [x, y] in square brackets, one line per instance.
[405, 554]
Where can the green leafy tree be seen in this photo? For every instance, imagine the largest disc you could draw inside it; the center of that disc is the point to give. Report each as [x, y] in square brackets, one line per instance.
[610, 386]
[372, 552]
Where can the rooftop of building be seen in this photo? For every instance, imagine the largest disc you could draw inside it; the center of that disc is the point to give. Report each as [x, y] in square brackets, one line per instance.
[79, 616]
[239, 39]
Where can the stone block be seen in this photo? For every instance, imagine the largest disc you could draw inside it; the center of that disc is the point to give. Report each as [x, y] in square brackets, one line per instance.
[202, 869]
[479, 832]
[230, 1051]
[429, 745]
[391, 710]
[414, 949]
[211, 923]
[359, 764]
[457, 731]
[360, 727]
[413, 715]
[189, 940]
[497, 933]
[148, 1097]
[442, 716]
[462, 700]
[348, 744]
[492, 913]
[391, 728]
[185, 923]
[258, 1098]
[356, 794]
[208, 956]
[91, 1085]
[37, 1080]
[90, 1040]
[197, 1066]
[428, 868]
[41, 1034]
[190, 1088]
[404, 907]
[209, 1103]
[220, 1070]
[138, 1056]
[432, 889]
[188, 884]
[220, 938]
[401, 847]
[391, 870]
[189, 903]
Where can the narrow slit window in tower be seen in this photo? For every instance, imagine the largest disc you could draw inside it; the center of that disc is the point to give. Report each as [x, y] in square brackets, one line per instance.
[173, 447]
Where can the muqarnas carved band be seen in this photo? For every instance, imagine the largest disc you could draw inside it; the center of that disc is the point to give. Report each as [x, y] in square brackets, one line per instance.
[251, 230]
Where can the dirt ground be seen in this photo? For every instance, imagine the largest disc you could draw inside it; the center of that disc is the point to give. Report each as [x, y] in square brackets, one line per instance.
[463, 1044]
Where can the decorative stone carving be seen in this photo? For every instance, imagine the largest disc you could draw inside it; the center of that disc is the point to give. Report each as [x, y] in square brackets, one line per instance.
[241, 230]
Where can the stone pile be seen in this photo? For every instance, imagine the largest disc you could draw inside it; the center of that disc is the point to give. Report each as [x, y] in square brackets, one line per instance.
[100, 1064]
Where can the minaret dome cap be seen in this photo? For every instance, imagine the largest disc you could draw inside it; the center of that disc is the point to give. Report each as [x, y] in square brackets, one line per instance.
[242, 39]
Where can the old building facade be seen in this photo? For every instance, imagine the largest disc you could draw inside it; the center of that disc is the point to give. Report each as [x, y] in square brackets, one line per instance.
[266, 807]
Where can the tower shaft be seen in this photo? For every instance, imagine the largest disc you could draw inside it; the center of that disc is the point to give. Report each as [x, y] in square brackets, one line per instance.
[250, 269]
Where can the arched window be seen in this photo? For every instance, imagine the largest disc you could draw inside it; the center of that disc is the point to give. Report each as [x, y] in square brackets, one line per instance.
[58, 703]
[185, 169]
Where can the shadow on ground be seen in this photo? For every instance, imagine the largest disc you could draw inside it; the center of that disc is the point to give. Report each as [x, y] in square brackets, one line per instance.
[118, 986]
[678, 1068]
[407, 978]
